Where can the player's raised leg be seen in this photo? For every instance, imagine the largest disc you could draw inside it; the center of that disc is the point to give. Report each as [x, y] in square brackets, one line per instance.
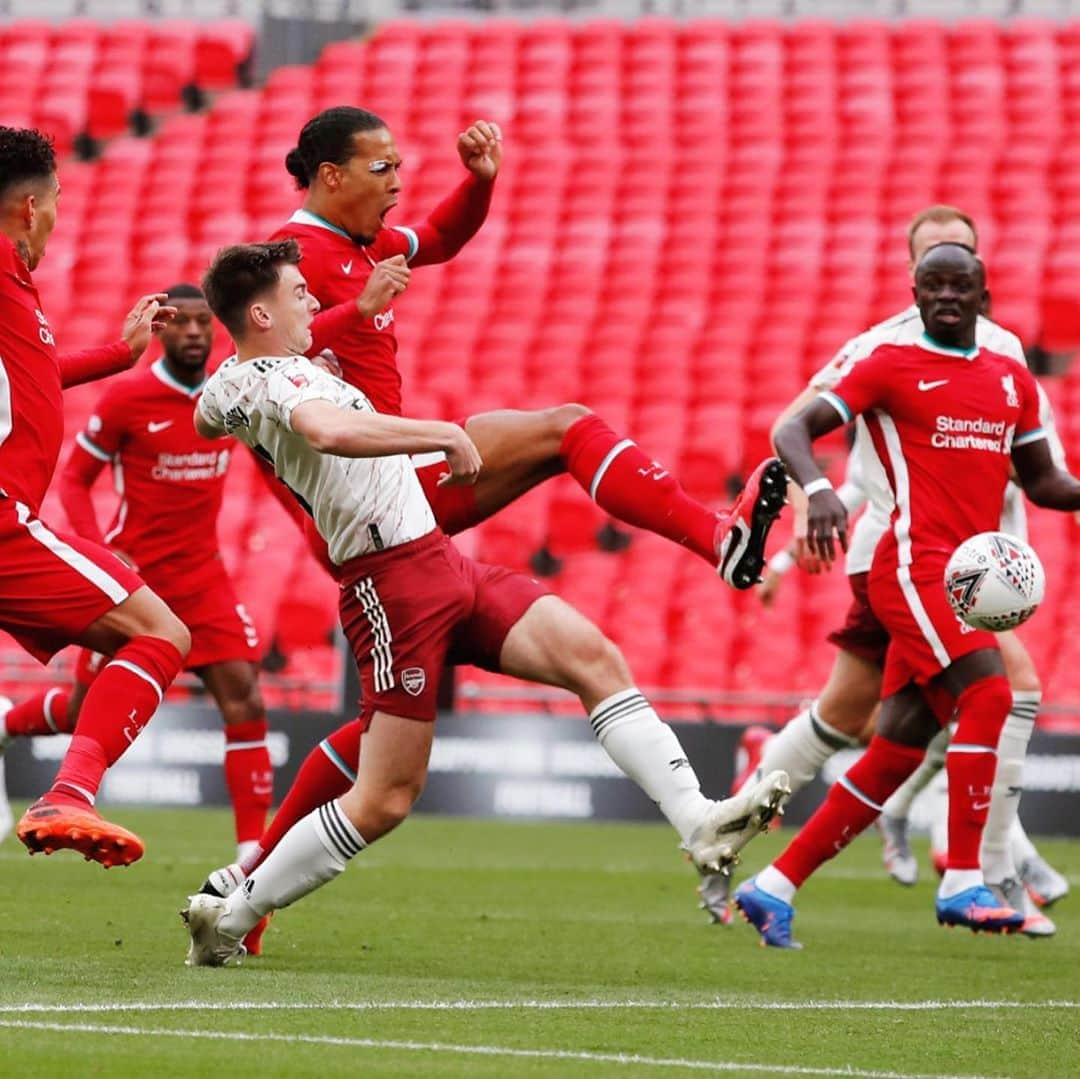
[390, 777]
[554, 644]
[148, 644]
[522, 449]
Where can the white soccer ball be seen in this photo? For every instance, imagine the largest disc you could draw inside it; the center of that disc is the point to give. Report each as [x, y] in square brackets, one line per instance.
[994, 581]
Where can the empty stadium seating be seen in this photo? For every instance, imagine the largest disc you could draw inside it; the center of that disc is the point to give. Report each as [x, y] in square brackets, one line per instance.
[691, 217]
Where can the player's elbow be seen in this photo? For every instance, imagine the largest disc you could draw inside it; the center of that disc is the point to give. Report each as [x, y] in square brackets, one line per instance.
[326, 437]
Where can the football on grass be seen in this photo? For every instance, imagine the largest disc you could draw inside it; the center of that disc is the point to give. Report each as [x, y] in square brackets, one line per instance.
[994, 581]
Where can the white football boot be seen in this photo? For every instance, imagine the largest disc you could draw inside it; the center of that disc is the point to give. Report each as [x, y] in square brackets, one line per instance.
[900, 863]
[209, 946]
[1013, 894]
[1044, 883]
[731, 824]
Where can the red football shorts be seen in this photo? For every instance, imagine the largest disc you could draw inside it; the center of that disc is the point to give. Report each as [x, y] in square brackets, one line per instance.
[410, 610]
[926, 635]
[53, 586]
[221, 630]
[862, 634]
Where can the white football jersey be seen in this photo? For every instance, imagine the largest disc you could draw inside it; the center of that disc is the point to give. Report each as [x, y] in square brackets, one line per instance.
[906, 328]
[359, 504]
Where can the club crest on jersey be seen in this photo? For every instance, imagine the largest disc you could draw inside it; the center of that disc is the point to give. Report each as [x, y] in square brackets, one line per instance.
[1009, 386]
[413, 680]
[298, 379]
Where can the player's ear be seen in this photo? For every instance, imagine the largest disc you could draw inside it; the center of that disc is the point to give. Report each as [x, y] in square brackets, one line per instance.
[330, 174]
[260, 316]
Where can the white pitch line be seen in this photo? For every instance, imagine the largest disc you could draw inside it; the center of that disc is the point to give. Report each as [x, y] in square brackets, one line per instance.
[734, 1004]
[471, 1050]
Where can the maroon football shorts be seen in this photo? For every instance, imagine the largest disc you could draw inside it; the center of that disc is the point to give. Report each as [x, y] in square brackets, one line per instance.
[410, 610]
[861, 634]
[53, 586]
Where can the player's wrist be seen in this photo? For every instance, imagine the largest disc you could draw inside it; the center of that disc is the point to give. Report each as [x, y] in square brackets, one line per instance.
[816, 487]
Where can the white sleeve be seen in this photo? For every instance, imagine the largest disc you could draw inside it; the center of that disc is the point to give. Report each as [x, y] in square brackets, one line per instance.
[836, 368]
[1049, 425]
[293, 384]
[209, 408]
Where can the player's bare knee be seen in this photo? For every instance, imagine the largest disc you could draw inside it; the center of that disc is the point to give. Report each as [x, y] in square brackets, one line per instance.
[1019, 666]
[594, 666]
[174, 631]
[561, 418]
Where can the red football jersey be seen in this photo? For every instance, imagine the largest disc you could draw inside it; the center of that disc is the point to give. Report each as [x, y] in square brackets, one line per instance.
[336, 269]
[943, 423]
[170, 479]
[31, 402]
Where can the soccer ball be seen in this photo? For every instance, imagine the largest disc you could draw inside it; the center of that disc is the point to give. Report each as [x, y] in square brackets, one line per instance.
[994, 581]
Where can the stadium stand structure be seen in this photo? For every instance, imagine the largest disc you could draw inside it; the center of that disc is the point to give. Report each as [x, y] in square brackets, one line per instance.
[692, 216]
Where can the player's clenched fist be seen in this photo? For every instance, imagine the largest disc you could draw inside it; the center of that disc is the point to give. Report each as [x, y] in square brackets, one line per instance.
[463, 458]
[389, 278]
[480, 149]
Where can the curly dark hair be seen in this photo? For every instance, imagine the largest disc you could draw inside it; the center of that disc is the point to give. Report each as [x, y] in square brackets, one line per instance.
[328, 137]
[240, 274]
[25, 154]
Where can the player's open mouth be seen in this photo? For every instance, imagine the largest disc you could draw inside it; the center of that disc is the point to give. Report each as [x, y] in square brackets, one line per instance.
[949, 314]
[387, 209]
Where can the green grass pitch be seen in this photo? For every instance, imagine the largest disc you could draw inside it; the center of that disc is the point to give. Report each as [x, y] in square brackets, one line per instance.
[473, 948]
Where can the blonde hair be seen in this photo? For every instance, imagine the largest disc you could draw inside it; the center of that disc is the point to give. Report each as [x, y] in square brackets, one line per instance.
[939, 215]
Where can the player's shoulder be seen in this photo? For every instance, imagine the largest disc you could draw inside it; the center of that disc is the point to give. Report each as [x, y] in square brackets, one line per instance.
[902, 328]
[130, 386]
[994, 337]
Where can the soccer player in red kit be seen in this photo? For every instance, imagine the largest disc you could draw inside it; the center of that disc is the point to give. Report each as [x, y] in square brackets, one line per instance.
[171, 482]
[946, 418]
[55, 589]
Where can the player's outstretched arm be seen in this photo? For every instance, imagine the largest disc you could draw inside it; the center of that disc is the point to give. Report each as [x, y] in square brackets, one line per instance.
[1043, 482]
[349, 433]
[457, 219]
[825, 514]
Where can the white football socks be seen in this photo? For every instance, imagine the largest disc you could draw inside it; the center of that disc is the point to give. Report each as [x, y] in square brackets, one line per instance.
[802, 748]
[899, 802]
[647, 750]
[313, 852]
[771, 880]
[1023, 850]
[996, 853]
[958, 880]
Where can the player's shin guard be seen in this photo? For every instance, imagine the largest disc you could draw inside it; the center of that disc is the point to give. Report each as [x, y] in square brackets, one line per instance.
[43, 714]
[996, 857]
[313, 852]
[328, 771]
[249, 775]
[634, 488]
[647, 750]
[970, 764]
[851, 806]
[117, 707]
[899, 805]
[802, 748]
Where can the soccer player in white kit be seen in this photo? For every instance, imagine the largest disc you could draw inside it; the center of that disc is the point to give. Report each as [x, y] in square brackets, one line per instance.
[410, 602]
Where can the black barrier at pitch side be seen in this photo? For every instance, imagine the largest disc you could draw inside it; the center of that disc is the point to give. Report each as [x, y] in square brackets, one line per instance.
[525, 767]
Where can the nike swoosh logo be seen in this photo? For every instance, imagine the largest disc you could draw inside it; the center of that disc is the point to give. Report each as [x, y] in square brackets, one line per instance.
[153, 428]
[347, 266]
[978, 807]
[932, 385]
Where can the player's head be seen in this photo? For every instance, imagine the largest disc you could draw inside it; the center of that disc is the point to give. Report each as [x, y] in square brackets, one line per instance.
[939, 225]
[261, 297]
[950, 285]
[28, 190]
[347, 161]
[188, 336]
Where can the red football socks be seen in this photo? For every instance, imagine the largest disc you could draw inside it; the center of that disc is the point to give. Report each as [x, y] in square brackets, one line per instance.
[853, 803]
[249, 775]
[41, 715]
[619, 478]
[117, 707]
[327, 773]
[970, 763]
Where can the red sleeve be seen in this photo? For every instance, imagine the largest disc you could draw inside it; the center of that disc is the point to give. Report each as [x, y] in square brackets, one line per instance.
[1029, 425]
[864, 387]
[452, 223]
[329, 325]
[94, 363]
[94, 448]
[76, 482]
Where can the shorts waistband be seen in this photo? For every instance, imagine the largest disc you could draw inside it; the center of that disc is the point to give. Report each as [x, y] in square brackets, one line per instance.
[365, 564]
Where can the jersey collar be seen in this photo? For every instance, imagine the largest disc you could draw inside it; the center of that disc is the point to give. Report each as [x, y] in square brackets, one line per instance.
[928, 343]
[306, 217]
[162, 372]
